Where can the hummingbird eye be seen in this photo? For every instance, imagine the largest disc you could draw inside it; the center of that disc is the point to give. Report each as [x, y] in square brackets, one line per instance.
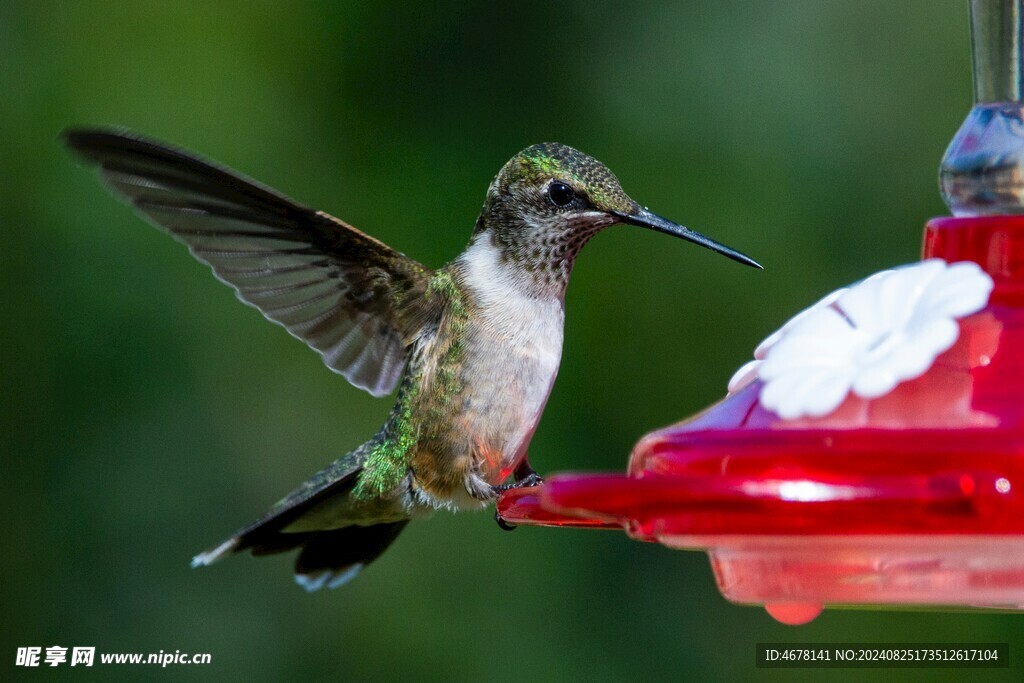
[560, 194]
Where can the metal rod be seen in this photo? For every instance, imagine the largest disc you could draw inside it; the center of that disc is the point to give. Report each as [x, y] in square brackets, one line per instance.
[996, 38]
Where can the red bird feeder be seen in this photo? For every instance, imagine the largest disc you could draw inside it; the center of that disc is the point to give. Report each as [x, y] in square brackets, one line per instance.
[874, 454]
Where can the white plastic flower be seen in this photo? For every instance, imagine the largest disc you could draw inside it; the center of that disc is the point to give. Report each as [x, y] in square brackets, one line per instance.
[867, 338]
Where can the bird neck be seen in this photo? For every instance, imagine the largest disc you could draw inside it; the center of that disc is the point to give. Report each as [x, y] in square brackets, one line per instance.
[541, 247]
[509, 270]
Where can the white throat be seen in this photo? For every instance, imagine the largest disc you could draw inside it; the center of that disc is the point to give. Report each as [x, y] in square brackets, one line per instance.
[511, 302]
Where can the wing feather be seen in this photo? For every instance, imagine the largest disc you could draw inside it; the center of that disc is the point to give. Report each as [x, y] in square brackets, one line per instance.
[350, 297]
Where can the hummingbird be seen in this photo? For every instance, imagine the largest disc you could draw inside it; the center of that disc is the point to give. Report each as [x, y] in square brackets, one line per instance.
[472, 347]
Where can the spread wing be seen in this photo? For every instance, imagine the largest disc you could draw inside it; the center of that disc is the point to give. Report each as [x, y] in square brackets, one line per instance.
[353, 299]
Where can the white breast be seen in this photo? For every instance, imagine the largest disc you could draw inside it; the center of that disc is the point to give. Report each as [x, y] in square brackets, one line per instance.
[517, 347]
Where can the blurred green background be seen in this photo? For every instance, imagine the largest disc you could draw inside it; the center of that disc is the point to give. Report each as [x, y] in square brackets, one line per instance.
[146, 414]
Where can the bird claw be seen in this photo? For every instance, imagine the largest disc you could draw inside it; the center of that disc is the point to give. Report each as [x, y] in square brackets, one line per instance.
[503, 524]
[531, 479]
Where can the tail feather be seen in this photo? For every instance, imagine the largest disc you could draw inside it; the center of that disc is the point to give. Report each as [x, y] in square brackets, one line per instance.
[206, 558]
[328, 578]
[333, 558]
[327, 558]
[342, 547]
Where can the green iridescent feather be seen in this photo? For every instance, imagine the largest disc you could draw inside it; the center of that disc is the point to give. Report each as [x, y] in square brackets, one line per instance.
[388, 461]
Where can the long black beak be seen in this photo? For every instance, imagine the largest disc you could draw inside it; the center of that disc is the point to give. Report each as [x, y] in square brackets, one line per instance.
[646, 219]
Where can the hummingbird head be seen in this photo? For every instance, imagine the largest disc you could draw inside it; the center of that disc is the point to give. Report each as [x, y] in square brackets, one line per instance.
[550, 199]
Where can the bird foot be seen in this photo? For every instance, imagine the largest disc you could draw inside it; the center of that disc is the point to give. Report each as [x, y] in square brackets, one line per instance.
[531, 479]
